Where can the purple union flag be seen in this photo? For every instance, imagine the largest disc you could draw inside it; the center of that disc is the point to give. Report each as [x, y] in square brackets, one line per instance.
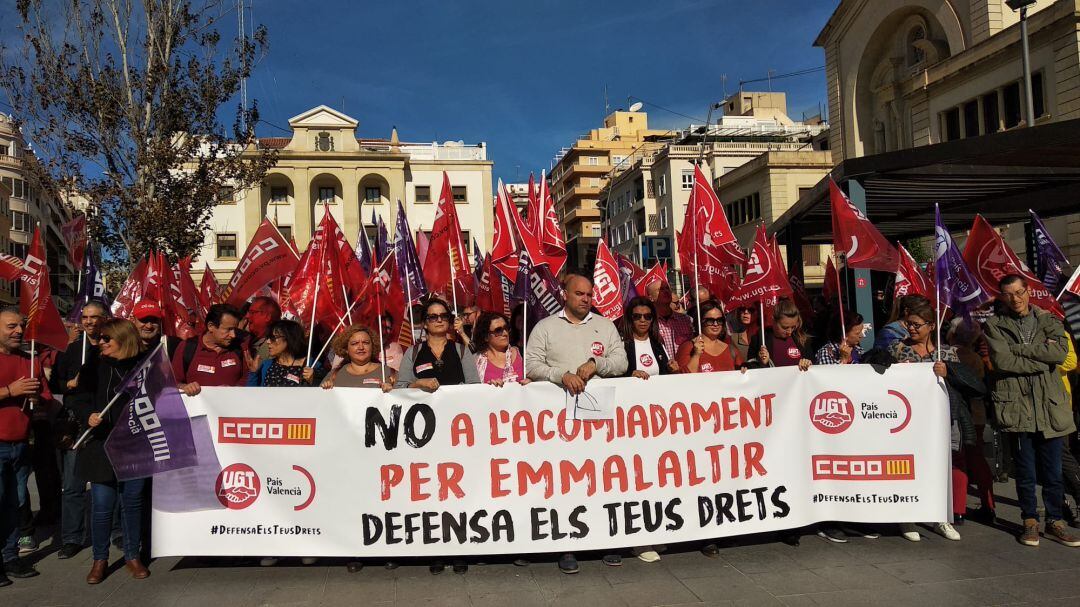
[153, 434]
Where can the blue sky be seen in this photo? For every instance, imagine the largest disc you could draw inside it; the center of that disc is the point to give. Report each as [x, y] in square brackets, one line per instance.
[526, 77]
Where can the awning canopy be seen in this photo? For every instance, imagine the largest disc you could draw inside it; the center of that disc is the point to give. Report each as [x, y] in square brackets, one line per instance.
[1000, 176]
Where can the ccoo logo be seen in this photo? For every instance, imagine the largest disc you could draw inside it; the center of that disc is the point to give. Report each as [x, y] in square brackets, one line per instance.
[237, 486]
[832, 412]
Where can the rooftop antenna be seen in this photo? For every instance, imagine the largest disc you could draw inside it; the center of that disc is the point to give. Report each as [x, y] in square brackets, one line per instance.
[607, 106]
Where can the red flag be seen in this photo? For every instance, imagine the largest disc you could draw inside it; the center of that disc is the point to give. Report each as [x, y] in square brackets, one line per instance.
[910, 278]
[1073, 286]
[352, 271]
[765, 275]
[43, 321]
[551, 236]
[267, 257]
[75, 236]
[489, 291]
[188, 290]
[131, 292]
[316, 281]
[706, 242]
[607, 296]
[447, 253]
[387, 297]
[505, 247]
[830, 290]
[10, 267]
[532, 211]
[861, 243]
[423, 243]
[990, 259]
[208, 288]
[654, 274]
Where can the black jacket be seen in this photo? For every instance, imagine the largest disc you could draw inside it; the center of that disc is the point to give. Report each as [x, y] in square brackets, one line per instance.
[68, 364]
[99, 380]
[657, 348]
[755, 345]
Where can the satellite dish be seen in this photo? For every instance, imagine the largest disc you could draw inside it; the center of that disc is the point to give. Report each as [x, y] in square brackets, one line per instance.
[636, 107]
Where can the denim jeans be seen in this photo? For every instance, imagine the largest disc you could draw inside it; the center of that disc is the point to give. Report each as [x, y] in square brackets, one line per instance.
[1039, 458]
[14, 474]
[73, 502]
[103, 498]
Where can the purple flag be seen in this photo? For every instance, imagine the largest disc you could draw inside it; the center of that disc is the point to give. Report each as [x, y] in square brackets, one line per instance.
[626, 280]
[93, 287]
[363, 250]
[408, 263]
[547, 296]
[153, 434]
[1051, 261]
[956, 286]
[522, 287]
[382, 246]
[478, 261]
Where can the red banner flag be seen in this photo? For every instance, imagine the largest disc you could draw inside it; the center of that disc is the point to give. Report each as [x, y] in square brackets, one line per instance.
[76, 238]
[447, 253]
[989, 258]
[655, 273]
[607, 296]
[317, 280]
[267, 257]
[1073, 286]
[706, 242]
[910, 278]
[208, 288]
[551, 236]
[43, 321]
[131, 292]
[10, 267]
[505, 247]
[861, 243]
[830, 289]
[532, 212]
[188, 291]
[386, 297]
[765, 276]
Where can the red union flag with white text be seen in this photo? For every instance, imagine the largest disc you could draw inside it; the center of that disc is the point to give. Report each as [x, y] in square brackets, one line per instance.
[765, 276]
[910, 278]
[861, 243]
[607, 296]
[990, 259]
[43, 322]
[267, 257]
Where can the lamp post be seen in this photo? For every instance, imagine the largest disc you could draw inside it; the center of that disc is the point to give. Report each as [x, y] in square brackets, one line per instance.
[1029, 100]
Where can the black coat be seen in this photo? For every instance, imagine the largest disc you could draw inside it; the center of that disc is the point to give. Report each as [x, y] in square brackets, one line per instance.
[657, 348]
[755, 345]
[99, 381]
[68, 364]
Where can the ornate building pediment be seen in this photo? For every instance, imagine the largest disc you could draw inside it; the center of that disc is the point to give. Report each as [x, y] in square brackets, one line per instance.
[323, 117]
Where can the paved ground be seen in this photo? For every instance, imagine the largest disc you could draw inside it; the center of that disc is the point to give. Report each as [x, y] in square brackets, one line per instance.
[988, 567]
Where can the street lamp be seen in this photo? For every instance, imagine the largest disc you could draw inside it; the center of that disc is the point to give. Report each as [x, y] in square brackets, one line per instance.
[1029, 105]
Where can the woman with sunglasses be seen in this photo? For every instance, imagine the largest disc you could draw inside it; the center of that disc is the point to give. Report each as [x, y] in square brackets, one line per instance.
[286, 367]
[710, 351]
[641, 338]
[920, 346]
[497, 362]
[435, 360]
[99, 381]
[358, 349]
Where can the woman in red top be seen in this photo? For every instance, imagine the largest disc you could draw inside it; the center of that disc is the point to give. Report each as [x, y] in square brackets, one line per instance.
[709, 351]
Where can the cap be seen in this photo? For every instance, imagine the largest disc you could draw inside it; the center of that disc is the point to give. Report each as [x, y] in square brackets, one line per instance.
[147, 309]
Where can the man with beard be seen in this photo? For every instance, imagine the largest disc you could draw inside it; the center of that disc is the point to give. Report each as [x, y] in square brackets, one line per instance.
[148, 318]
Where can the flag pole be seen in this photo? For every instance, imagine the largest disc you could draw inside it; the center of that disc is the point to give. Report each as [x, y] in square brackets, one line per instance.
[453, 275]
[839, 297]
[937, 298]
[382, 346]
[315, 299]
[111, 402]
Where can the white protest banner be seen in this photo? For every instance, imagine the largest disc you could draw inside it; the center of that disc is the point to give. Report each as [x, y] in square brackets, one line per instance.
[473, 470]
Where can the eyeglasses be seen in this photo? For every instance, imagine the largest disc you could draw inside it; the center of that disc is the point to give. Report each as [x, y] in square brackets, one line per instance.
[104, 339]
[712, 321]
[642, 316]
[444, 317]
[1017, 295]
[499, 331]
[915, 326]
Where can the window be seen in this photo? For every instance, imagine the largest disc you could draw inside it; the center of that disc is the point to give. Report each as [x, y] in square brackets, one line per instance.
[327, 194]
[663, 219]
[4, 150]
[373, 194]
[460, 192]
[1011, 95]
[423, 193]
[663, 185]
[324, 142]
[915, 54]
[20, 222]
[617, 160]
[991, 117]
[950, 124]
[227, 195]
[811, 255]
[971, 119]
[687, 180]
[19, 250]
[1038, 98]
[279, 194]
[594, 160]
[226, 246]
[286, 232]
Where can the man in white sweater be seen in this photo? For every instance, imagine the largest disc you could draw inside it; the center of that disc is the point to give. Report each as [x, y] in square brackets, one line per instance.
[571, 348]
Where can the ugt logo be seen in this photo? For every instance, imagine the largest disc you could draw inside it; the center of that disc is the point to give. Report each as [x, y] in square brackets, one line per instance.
[237, 486]
[832, 412]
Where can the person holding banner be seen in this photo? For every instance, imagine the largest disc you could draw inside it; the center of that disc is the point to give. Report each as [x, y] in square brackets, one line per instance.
[710, 351]
[497, 362]
[286, 348]
[674, 328]
[436, 361]
[921, 346]
[784, 344]
[20, 386]
[645, 353]
[1026, 347]
[358, 346]
[99, 382]
[215, 358]
[842, 349]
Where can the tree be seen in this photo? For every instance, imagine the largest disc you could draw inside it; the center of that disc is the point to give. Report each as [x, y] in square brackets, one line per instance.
[121, 99]
[918, 250]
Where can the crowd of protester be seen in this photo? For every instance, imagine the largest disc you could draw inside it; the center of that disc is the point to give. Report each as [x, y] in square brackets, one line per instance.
[1010, 369]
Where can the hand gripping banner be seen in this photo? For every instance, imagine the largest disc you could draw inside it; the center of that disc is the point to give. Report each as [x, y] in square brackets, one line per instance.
[474, 470]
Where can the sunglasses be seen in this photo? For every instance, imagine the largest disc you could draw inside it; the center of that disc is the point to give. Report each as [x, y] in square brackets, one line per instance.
[645, 316]
[915, 326]
[104, 339]
[712, 321]
[444, 317]
[275, 338]
[499, 331]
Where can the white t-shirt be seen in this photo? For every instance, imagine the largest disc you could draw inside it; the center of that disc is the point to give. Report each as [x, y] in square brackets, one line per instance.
[645, 357]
